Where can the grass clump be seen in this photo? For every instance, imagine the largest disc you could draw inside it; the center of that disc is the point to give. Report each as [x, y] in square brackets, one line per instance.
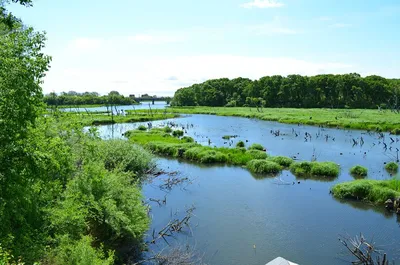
[395, 131]
[262, 166]
[392, 167]
[177, 133]
[282, 160]
[240, 144]
[256, 147]
[167, 129]
[142, 128]
[257, 154]
[315, 169]
[359, 171]
[374, 191]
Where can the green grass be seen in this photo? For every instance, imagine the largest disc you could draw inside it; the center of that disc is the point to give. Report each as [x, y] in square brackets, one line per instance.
[257, 147]
[262, 166]
[282, 160]
[392, 167]
[228, 137]
[240, 144]
[315, 169]
[177, 133]
[257, 154]
[359, 171]
[374, 191]
[345, 118]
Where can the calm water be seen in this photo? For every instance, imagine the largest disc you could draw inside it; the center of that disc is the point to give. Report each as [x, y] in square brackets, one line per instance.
[301, 222]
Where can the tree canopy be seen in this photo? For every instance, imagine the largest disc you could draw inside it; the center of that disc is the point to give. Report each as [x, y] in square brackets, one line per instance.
[295, 91]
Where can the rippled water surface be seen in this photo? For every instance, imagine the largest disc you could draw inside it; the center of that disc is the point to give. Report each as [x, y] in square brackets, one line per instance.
[242, 219]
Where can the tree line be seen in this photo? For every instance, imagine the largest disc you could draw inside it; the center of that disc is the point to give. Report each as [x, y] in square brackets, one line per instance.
[295, 91]
[87, 98]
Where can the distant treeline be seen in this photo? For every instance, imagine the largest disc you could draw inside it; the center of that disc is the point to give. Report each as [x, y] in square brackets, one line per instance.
[295, 91]
[87, 98]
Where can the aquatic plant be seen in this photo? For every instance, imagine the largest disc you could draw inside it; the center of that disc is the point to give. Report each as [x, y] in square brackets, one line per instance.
[262, 166]
[395, 131]
[392, 167]
[240, 144]
[257, 154]
[282, 160]
[359, 171]
[256, 147]
[375, 191]
[316, 169]
[142, 128]
[167, 129]
[177, 133]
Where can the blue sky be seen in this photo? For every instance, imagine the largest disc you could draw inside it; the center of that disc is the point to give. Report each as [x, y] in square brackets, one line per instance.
[158, 46]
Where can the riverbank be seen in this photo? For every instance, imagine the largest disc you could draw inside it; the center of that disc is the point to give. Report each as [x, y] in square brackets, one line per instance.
[373, 120]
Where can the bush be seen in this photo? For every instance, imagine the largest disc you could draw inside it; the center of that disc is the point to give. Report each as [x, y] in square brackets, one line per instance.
[261, 166]
[79, 252]
[167, 129]
[240, 144]
[359, 171]
[177, 133]
[257, 154]
[123, 155]
[392, 167]
[142, 128]
[256, 147]
[282, 160]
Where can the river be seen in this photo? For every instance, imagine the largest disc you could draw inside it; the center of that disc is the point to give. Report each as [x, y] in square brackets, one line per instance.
[244, 219]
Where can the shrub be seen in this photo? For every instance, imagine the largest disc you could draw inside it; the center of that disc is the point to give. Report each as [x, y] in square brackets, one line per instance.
[261, 166]
[167, 129]
[142, 128]
[256, 147]
[80, 252]
[282, 160]
[257, 154]
[392, 167]
[120, 154]
[240, 144]
[325, 169]
[359, 171]
[187, 139]
[177, 133]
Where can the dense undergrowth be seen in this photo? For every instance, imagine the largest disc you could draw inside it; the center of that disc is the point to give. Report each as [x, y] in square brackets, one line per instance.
[373, 191]
[163, 141]
[373, 120]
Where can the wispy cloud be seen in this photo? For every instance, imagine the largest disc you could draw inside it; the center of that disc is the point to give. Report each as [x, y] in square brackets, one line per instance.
[341, 25]
[263, 4]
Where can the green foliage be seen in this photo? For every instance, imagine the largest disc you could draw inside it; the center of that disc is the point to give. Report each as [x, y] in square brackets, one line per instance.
[262, 166]
[73, 98]
[257, 154]
[395, 131]
[295, 91]
[256, 147]
[167, 129]
[79, 252]
[375, 191]
[240, 144]
[359, 171]
[392, 167]
[282, 160]
[142, 128]
[177, 133]
[315, 169]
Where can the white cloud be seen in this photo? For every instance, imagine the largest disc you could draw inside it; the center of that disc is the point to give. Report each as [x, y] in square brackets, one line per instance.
[263, 4]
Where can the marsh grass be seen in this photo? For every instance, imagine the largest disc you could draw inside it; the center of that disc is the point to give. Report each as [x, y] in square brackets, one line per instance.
[240, 144]
[392, 167]
[256, 147]
[373, 120]
[262, 166]
[374, 191]
[359, 171]
[282, 160]
[315, 169]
